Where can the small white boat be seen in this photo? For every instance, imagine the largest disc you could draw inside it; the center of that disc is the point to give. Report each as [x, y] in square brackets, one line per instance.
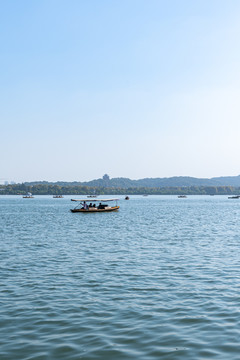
[28, 196]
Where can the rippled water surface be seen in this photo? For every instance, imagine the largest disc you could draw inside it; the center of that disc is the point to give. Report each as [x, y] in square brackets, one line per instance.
[160, 279]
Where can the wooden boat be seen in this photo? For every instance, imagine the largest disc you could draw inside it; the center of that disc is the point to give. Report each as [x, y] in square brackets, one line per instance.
[28, 196]
[57, 196]
[101, 206]
[234, 197]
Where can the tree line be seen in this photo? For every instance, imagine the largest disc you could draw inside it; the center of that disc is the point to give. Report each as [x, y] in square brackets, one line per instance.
[49, 189]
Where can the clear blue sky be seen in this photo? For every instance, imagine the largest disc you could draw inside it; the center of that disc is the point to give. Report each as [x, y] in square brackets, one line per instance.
[132, 88]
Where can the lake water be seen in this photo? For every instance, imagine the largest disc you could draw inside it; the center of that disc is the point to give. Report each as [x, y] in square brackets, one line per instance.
[159, 279]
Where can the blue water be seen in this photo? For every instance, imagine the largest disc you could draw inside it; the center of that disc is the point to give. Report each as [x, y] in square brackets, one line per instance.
[160, 279]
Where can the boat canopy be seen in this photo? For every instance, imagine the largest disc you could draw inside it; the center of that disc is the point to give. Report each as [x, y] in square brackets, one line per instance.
[94, 200]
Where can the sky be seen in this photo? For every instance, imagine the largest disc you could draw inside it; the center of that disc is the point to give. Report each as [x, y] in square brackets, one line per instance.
[131, 88]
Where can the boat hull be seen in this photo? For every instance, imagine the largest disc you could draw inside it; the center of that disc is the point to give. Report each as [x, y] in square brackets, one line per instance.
[94, 210]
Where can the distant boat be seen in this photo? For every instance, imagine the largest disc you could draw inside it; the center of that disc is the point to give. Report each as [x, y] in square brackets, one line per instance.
[181, 196]
[83, 206]
[57, 196]
[28, 196]
[234, 197]
[127, 198]
[91, 196]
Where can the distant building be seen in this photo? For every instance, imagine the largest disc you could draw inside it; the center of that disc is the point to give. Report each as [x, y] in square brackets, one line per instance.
[106, 177]
[106, 180]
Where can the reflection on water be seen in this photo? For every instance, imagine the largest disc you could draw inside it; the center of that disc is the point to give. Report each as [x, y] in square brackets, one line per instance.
[157, 280]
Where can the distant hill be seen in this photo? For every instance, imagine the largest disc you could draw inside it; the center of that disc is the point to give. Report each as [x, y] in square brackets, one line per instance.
[125, 183]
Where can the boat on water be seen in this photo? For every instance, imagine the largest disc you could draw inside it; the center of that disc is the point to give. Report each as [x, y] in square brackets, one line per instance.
[234, 197]
[100, 205]
[28, 196]
[126, 197]
[182, 196]
[57, 196]
[92, 194]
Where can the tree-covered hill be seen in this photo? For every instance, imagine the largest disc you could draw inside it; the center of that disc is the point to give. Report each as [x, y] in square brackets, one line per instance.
[125, 183]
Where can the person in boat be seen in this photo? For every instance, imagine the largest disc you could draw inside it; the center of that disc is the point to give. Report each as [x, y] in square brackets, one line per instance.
[90, 205]
[100, 206]
[85, 205]
[94, 206]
